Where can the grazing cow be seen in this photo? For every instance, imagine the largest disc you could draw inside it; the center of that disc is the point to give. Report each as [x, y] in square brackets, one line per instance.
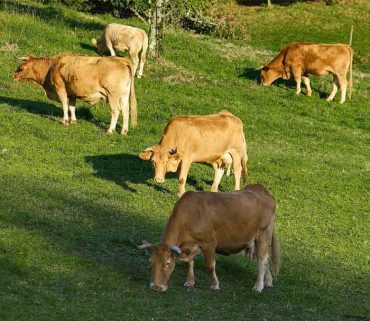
[222, 223]
[215, 139]
[124, 38]
[68, 77]
[301, 59]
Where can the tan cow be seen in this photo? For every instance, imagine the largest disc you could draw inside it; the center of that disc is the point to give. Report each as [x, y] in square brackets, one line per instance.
[301, 59]
[222, 223]
[121, 37]
[215, 139]
[68, 77]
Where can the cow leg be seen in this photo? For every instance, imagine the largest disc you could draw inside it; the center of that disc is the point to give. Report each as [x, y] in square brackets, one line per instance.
[114, 105]
[185, 166]
[135, 60]
[237, 170]
[335, 88]
[219, 172]
[63, 98]
[72, 108]
[262, 258]
[306, 81]
[343, 88]
[190, 280]
[125, 113]
[110, 47]
[210, 260]
[298, 79]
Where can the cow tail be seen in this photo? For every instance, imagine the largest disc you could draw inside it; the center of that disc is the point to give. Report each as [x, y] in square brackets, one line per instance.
[275, 254]
[350, 73]
[244, 160]
[133, 103]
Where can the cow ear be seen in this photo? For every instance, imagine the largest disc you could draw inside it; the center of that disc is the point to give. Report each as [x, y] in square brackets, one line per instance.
[94, 41]
[265, 68]
[147, 154]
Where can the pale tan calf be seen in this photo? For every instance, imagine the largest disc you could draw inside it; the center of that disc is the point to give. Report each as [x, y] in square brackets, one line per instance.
[121, 37]
[215, 139]
[66, 78]
[301, 59]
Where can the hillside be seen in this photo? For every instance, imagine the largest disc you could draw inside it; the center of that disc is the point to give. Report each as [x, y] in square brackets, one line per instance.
[75, 201]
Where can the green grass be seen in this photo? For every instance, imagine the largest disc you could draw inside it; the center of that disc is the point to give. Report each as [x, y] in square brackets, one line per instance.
[75, 201]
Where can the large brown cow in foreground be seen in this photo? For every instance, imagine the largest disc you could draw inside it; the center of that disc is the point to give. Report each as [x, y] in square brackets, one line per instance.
[301, 59]
[124, 38]
[223, 223]
[68, 77]
[215, 139]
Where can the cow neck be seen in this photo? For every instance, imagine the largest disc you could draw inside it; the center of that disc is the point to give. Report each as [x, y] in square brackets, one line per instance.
[277, 62]
[172, 231]
[168, 141]
[42, 69]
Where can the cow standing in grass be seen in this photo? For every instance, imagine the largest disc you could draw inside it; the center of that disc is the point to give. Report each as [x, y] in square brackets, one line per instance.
[66, 78]
[215, 139]
[301, 59]
[223, 223]
[121, 37]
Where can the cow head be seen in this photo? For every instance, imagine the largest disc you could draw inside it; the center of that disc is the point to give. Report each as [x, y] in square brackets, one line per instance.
[269, 74]
[27, 70]
[164, 161]
[163, 260]
[100, 45]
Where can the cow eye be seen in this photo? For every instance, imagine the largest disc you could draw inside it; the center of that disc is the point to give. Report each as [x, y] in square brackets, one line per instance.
[167, 265]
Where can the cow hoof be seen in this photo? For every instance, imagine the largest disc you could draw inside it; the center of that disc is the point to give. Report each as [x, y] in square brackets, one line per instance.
[124, 132]
[139, 76]
[309, 94]
[329, 99]
[73, 121]
[189, 287]
[215, 289]
[65, 122]
[341, 102]
[257, 289]
[110, 132]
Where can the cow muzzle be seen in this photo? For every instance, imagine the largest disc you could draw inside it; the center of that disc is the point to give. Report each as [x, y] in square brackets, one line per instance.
[158, 288]
[159, 179]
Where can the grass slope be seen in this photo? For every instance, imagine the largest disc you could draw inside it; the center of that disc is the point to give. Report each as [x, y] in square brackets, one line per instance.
[74, 201]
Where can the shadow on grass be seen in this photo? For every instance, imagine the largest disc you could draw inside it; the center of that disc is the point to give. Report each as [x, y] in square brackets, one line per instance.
[124, 169]
[88, 47]
[51, 14]
[49, 110]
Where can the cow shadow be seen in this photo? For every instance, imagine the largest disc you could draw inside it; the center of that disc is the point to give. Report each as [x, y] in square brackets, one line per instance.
[251, 74]
[46, 110]
[124, 170]
[88, 47]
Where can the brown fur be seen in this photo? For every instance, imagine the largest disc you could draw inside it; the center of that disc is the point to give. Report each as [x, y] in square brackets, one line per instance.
[203, 139]
[66, 78]
[300, 59]
[223, 223]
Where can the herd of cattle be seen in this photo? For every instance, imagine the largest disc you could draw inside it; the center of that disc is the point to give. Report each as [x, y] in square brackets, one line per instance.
[201, 222]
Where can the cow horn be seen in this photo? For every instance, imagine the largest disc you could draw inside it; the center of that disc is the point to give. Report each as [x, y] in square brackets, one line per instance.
[94, 41]
[258, 68]
[144, 246]
[176, 249]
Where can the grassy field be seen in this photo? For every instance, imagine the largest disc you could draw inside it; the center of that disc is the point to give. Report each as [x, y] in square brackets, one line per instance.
[75, 201]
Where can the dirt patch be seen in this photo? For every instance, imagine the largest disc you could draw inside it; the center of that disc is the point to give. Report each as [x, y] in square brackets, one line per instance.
[232, 51]
[12, 47]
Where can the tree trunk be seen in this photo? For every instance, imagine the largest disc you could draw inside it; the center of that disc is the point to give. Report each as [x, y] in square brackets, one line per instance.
[156, 28]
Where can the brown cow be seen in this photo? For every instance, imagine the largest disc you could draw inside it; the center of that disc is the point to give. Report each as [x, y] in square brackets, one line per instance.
[301, 59]
[124, 38]
[222, 223]
[68, 77]
[215, 139]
